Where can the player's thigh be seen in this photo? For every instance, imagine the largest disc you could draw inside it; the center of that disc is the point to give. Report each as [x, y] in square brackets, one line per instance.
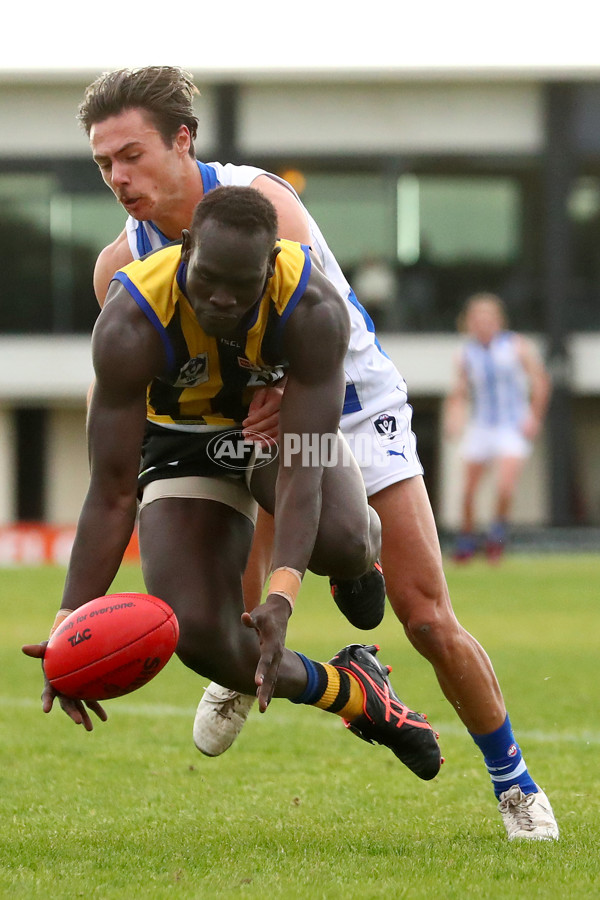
[342, 489]
[411, 555]
[343, 496]
[193, 553]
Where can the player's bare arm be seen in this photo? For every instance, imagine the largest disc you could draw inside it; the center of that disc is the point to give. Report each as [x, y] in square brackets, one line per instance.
[263, 415]
[539, 387]
[126, 355]
[113, 257]
[293, 224]
[315, 342]
[455, 407]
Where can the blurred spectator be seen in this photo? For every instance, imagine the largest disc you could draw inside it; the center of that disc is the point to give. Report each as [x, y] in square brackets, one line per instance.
[501, 391]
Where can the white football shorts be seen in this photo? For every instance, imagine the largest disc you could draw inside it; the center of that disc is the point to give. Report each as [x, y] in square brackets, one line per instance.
[382, 442]
[485, 443]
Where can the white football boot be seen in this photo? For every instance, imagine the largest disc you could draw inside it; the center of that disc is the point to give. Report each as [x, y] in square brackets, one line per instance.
[528, 817]
[219, 718]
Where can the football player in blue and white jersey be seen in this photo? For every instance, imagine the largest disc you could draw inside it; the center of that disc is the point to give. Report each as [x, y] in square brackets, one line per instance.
[141, 125]
[501, 391]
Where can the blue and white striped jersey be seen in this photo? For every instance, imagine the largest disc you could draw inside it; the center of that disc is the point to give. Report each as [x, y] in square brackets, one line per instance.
[370, 374]
[497, 380]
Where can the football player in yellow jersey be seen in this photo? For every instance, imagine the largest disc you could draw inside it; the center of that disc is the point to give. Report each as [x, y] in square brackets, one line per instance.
[195, 529]
[142, 125]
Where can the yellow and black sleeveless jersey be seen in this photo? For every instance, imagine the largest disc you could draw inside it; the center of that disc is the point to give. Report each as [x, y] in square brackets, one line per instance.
[209, 381]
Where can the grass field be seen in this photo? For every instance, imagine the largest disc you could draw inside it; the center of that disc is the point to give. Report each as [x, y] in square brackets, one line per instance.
[299, 808]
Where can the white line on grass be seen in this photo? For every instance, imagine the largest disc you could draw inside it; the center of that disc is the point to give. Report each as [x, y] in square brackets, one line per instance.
[283, 716]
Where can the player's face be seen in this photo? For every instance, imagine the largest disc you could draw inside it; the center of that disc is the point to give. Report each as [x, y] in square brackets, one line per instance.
[227, 275]
[141, 171]
[484, 320]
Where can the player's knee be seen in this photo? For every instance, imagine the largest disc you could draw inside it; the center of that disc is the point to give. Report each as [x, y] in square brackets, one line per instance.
[195, 645]
[426, 614]
[347, 553]
[433, 632]
[211, 648]
[200, 640]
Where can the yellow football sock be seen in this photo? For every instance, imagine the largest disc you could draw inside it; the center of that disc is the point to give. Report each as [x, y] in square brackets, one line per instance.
[343, 694]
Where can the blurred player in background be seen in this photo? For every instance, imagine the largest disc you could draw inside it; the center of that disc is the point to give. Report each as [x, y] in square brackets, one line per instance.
[501, 391]
[176, 352]
[141, 125]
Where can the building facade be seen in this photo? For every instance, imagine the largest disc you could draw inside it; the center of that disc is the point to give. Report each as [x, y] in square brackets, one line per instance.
[454, 185]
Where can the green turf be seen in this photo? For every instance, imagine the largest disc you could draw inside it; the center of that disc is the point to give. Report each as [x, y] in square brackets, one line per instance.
[299, 808]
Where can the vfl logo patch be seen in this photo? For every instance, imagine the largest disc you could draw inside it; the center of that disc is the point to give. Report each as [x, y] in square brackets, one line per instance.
[386, 426]
[194, 372]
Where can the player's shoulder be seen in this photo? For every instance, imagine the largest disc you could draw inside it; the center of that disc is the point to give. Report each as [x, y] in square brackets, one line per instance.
[293, 266]
[113, 257]
[154, 275]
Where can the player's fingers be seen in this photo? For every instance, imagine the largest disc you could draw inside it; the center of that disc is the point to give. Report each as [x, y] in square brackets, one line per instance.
[35, 651]
[259, 398]
[85, 719]
[76, 711]
[48, 696]
[71, 710]
[268, 426]
[266, 676]
[97, 709]
[248, 621]
[267, 438]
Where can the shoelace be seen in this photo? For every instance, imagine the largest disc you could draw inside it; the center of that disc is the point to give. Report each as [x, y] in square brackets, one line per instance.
[520, 810]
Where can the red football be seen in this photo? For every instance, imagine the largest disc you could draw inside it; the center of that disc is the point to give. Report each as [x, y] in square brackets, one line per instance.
[111, 646]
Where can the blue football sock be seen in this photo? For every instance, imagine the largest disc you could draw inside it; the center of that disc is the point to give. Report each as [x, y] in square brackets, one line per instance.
[504, 761]
[498, 532]
[316, 681]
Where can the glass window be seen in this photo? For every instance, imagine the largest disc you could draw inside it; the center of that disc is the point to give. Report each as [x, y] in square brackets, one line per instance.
[457, 220]
[25, 251]
[49, 241]
[584, 212]
[457, 235]
[355, 212]
[424, 242]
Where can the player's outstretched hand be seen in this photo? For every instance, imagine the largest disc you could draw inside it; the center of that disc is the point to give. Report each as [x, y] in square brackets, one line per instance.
[263, 414]
[75, 709]
[269, 620]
